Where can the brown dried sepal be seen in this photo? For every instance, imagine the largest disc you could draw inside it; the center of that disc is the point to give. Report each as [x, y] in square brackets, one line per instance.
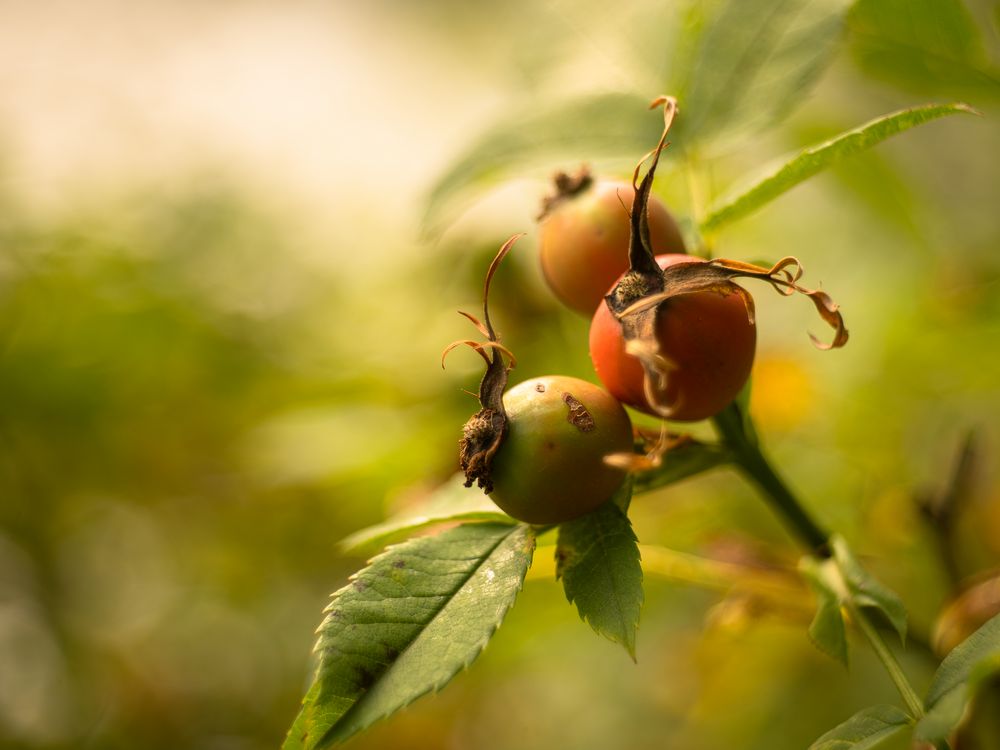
[650, 449]
[565, 187]
[485, 431]
[639, 297]
[639, 318]
[481, 438]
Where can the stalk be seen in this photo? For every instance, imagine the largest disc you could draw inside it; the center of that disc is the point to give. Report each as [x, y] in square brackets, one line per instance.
[878, 644]
[738, 434]
[752, 463]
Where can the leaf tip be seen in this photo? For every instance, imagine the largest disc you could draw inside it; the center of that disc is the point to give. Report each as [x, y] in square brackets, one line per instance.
[968, 109]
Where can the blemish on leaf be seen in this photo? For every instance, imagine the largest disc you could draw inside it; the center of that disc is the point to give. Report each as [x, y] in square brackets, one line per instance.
[399, 564]
[360, 585]
[364, 678]
[565, 556]
[578, 415]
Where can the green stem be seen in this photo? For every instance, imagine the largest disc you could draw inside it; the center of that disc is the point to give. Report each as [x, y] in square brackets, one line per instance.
[913, 702]
[737, 431]
[755, 466]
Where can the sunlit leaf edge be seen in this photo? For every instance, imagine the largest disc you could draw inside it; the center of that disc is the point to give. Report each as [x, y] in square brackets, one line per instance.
[865, 729]
[619, 579]
[814, 159]
[575, 130]
[957, 680]
[339, 730]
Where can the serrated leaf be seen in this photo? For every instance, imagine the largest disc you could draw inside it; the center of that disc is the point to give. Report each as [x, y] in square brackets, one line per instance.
[923, 45]
[685, 460]
[417, 615]
[957, 680]
[812, 160]
[754, 63]
[615, 124]
[597, 557]
[452, 501]
[827, 630]
[865, 589]
[866, 729]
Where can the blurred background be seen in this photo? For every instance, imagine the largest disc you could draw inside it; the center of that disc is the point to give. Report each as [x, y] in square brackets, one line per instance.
[230, 257]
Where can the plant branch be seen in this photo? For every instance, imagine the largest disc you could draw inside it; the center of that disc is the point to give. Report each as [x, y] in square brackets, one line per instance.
[888, 659]
[739, 436]
[732, 425]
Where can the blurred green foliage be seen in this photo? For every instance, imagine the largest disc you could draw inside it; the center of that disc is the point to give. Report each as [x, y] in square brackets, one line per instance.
[196, 406]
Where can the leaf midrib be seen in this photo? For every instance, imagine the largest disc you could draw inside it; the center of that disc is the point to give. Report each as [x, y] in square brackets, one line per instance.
[332, 730]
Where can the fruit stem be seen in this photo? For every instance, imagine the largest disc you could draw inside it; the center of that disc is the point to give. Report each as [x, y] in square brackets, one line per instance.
[737, 432]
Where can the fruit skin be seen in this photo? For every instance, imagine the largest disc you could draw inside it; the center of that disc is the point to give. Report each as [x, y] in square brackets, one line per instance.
[707, 335]
[550, 466]
[584, 241]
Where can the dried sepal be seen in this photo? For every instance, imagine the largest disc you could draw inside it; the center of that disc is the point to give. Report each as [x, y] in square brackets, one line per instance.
[716, 276]
[483, 434]
[475, 321]
[566, 186]
[640, 296]
[654, 448]
[480, 347]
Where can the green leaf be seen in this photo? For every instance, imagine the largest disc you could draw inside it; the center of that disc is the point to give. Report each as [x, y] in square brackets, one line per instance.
[683, 461]
[754, 63]
[409, 622]
[865, 590]
[452, 501]
[923, 45]
[597, 557]
[618, 124]
[866, 729]
[957, 680]
[623, 497]
[827, 631]
[959, 665]
[815, 159]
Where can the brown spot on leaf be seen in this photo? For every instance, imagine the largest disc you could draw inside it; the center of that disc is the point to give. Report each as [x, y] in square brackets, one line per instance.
[578, 415]
[364, 678]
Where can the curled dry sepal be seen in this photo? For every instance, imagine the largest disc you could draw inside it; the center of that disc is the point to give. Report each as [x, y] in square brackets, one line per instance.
[640, 295]
[566, 186]
[483, 434]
